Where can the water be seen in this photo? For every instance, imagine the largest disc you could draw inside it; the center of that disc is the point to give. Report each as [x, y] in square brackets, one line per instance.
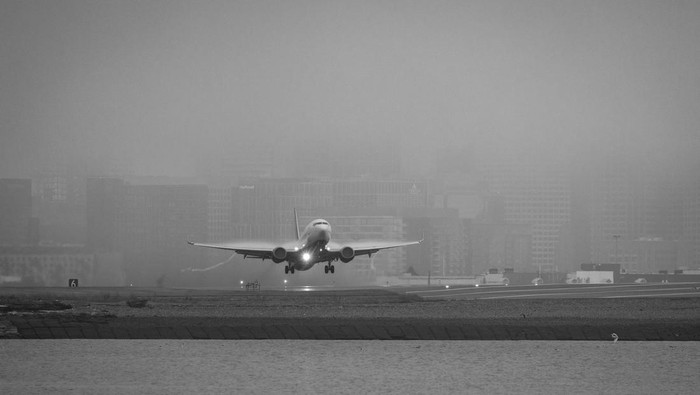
[347, 367]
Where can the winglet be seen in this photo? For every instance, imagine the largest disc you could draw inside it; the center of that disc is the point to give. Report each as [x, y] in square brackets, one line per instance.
[296, 223]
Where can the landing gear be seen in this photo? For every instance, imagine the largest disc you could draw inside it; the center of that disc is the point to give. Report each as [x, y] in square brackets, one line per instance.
[329, 268]
[288, 269]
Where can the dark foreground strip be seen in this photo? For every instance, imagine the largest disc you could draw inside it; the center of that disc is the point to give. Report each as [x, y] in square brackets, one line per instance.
[82, 327]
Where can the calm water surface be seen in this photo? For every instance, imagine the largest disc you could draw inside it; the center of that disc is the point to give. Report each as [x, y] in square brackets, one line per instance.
[300, 366]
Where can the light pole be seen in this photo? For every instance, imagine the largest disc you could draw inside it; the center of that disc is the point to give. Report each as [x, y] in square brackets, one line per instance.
[616, 237]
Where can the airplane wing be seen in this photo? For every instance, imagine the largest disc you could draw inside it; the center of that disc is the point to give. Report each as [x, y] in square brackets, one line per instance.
[249, 249]
[368, 247]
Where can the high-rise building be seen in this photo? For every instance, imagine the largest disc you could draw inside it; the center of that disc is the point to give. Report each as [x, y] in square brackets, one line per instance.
[15, 211]
[149, 225]
[60, 197]
[105, 200]
[456, 183]
[445, 248]
[537, 195]
[263, 207]
[691, 226]
[220, 213]
[633, 212]
[155, 225]
[617, 207]
[499, 245]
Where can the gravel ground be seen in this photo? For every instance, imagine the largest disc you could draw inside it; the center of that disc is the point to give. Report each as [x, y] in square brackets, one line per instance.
[373, 303]
[636, 318]
[383, 304]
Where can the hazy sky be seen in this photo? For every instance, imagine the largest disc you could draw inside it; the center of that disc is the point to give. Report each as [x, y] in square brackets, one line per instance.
[155, 84]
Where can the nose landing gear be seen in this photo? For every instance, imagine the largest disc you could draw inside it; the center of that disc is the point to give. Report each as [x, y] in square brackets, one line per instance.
[329, 268]
[289, 269]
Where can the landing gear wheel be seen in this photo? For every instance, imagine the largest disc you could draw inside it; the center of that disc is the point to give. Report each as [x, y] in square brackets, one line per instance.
[291, 269]
[325, 268]
[332, 269]
[286, 270]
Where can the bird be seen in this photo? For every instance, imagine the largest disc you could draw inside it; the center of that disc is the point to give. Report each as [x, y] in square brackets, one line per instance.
[615, 337]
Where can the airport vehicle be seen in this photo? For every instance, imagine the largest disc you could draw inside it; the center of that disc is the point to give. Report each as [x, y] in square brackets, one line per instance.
[312, 246]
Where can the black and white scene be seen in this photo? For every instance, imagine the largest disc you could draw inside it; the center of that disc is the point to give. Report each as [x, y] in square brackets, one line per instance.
[336, 196]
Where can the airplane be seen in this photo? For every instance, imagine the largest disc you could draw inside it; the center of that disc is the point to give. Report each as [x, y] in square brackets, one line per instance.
[312, 246]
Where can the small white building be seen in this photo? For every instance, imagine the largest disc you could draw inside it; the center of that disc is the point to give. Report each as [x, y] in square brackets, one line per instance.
[590, 277]
[409, 280]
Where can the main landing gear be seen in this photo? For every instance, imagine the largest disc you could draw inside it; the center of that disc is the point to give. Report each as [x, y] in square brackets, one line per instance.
[329, 268]
[288, 269]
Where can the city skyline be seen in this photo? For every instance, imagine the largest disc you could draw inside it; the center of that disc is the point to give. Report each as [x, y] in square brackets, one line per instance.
[512, 216]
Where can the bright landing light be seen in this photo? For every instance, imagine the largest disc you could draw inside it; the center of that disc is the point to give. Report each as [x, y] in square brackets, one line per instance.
[306, 256]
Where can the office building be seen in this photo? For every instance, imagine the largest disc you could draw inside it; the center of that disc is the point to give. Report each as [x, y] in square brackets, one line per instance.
[15, 211]
[105, 200]
[539, 196]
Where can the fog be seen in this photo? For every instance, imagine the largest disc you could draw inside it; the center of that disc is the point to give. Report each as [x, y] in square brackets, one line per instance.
[158, 87]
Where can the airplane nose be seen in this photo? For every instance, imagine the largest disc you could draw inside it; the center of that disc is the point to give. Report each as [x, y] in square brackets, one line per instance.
[324, 235]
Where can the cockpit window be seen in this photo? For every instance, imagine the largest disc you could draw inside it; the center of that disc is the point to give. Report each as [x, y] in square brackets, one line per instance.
[320, 223]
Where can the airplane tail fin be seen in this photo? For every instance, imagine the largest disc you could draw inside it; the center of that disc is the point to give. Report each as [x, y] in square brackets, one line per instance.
[296, 223]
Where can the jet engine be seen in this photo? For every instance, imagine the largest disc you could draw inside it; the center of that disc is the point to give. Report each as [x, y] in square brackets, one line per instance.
[279, 254]
[346, 254]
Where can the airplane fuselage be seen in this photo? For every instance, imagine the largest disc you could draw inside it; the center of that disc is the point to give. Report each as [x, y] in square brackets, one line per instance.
[310, 248]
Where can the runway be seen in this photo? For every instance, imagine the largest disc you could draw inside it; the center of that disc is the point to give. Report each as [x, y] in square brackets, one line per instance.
[548, 291]
[561, 291]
